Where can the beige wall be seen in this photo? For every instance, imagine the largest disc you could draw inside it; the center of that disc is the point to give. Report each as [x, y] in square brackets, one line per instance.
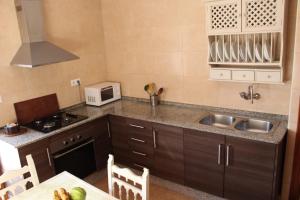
[164, 41]
[72, 24]
[293, 113]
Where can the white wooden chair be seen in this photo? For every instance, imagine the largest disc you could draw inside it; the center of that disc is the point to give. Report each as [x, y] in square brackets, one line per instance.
[16, 181]
[115, 174]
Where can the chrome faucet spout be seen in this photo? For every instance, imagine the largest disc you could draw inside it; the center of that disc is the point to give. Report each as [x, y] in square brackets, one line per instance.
[250, 91]
[250, 95]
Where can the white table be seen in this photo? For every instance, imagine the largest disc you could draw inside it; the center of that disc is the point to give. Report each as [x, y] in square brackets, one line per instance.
[45, 190]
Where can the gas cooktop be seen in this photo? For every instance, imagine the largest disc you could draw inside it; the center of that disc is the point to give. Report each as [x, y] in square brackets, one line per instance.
[54, 122]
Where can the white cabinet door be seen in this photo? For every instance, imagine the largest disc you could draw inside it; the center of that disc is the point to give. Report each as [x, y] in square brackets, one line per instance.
[223, 17]
[262, 15]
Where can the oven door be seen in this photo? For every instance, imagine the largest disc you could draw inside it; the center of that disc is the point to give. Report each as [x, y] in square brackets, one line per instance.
[79, 160]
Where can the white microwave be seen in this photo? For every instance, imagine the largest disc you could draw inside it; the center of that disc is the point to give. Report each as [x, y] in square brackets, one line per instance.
[102, 93]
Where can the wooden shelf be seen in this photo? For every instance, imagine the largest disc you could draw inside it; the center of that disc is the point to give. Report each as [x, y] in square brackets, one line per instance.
[268, 64]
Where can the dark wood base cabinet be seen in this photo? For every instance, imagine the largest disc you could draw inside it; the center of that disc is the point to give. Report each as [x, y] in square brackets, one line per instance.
[132, 142]
[168, 153]
[231, 167]
[204, 161]
[41, 151]
[41, 155]
[139, 144]
[250, 169]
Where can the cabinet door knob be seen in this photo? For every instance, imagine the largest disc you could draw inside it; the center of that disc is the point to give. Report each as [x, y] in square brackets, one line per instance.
[154, 138]
[219, 154]
[136, 126]
[227, 155]
[65, 142]
[108, 130]
[49, 157]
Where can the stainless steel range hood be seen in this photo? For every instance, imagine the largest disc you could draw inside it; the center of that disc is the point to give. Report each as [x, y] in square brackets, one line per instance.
[35, 50]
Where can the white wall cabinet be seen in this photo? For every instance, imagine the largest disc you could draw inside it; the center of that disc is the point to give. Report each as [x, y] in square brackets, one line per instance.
[223, 17]
[261, 15]
[247, 35]
[243, 16]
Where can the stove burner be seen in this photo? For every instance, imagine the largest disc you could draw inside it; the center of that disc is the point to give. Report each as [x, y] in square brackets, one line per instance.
[66, 119]
[55, 121]
[49, 125]
[38, 122]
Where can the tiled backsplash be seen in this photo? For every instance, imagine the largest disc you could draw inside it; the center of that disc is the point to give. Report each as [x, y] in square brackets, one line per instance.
[165, 41]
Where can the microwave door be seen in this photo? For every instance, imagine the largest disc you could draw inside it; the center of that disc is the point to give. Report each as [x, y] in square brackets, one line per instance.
[107, 93]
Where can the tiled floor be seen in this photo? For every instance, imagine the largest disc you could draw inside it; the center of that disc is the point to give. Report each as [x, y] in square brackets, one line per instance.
[159, 189]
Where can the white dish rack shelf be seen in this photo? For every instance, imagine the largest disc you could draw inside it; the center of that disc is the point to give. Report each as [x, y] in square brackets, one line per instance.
[261, 49]
[246, 40]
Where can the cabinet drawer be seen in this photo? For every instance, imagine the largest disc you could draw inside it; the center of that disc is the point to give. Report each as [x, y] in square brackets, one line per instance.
[139, 128]
[131, 126]
[141, 151]
[139, 164]
[243, 75]
[265, 76]
[220, 74]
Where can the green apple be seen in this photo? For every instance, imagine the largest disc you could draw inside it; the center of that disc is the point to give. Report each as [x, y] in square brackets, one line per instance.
[78, 193]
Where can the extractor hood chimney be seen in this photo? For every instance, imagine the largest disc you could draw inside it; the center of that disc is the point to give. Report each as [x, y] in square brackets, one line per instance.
[35, 51]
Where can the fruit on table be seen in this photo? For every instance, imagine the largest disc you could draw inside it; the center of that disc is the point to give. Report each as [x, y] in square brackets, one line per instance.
[78, 193]
[61, 194]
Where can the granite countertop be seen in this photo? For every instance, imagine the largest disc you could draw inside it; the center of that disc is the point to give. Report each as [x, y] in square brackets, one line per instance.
[181, 115]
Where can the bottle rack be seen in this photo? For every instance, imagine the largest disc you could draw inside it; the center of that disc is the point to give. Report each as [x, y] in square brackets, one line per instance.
[258, 49]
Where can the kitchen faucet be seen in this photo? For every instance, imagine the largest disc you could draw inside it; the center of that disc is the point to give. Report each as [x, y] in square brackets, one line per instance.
[251, 95]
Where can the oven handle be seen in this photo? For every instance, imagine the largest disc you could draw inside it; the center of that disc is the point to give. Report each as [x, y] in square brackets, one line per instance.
[69, 151]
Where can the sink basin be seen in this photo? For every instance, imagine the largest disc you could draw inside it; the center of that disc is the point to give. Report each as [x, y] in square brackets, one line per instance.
[217, 120]
[254, 125]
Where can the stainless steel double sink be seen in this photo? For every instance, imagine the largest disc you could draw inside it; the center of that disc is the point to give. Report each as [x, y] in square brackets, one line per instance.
[227, 121]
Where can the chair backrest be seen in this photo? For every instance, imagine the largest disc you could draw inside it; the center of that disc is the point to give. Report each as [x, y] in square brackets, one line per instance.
[16, 179]
[143, 181]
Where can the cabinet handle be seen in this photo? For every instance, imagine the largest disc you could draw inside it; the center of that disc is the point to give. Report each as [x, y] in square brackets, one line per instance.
[108, 129]
[219, 154]
[137, 140]
[154, 138]
[136, 126]
[227, 155]
[140, 166]
[139, 153]
[49, 158]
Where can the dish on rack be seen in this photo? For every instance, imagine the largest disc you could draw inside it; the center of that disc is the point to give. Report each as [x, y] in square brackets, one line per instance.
[258, 52]
[220, 50]
[249, 44]
[242, 51]
[267, 52]
[234, 51]
[226, 51]
[212, 51]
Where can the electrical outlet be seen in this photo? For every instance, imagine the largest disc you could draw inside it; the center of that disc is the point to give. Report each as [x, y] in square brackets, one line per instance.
[75, 82]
